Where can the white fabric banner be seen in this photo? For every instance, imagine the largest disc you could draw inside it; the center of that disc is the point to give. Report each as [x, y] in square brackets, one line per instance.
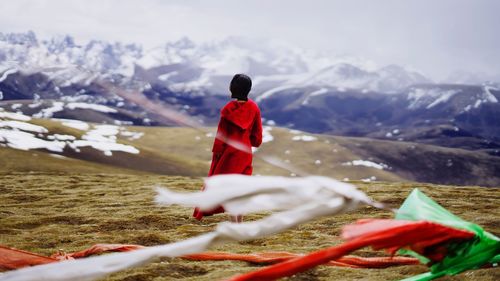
[301, 199]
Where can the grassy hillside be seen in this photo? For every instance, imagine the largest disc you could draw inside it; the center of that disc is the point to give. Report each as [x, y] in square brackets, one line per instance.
[187, 151]
[45, 212]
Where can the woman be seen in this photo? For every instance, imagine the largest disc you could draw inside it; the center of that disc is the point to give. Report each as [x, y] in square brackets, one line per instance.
[240, 128]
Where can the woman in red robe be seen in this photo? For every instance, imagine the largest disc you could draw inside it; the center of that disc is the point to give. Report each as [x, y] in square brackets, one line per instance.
[240, 128]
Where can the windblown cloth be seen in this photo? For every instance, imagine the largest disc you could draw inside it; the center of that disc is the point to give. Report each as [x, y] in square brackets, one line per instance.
[300, 199]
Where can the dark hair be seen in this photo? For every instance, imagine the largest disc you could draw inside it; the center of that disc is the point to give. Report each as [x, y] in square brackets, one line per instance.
[240, 86]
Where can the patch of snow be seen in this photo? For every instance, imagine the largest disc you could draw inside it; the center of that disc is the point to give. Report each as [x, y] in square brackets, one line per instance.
[104, 133]
[58, 156]
[19, 125]
[61, 137]
[49, 112]
[96, 107]
[370, 179]
[192, 86]
[131, 135]
[164, 77]
[14, 115]
[488, 95]
[35, 105]
[106, 147]
[16, 106]
[272, 91]
[120, 122]
[103, 138]
[7, 73]
[295, 132]
[266, 134]
[271, 123]
[266, 137]
[319, 92]
[380, 166]
[429, 98]
[304, 138]
[75, 124]
[445, 96]
[388, 135]
[317, 162]
[26, 141]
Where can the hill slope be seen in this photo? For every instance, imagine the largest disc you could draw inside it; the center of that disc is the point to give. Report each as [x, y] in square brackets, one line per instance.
[47, 212]
[185, 151]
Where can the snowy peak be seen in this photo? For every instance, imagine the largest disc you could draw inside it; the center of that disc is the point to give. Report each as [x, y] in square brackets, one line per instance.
[462, 98]
[28, 38]
[397, 77]
[184, 65]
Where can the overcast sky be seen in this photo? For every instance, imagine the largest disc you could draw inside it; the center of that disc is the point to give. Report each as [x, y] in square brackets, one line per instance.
[436, 37]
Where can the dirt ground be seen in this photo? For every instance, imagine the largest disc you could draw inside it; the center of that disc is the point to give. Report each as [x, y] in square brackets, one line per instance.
[46, 212]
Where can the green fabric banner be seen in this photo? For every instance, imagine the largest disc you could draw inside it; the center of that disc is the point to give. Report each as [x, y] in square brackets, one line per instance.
[483, 249]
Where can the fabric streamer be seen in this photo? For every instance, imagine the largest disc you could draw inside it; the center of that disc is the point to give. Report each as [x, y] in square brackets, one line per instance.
[14, 259]
[11, 258]
[388, 234]
[302, 199]
[276, 257]
[241, 194]
[448, 244]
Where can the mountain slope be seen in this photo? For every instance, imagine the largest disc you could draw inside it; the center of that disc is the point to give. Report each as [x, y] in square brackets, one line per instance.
[186, 151]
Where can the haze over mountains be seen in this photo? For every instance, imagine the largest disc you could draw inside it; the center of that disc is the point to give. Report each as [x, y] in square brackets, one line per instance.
[306, 90]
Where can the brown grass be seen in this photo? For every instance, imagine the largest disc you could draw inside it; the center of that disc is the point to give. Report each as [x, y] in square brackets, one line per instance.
[45, 212]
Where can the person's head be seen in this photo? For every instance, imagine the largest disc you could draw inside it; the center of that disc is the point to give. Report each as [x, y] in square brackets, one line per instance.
[240, 86]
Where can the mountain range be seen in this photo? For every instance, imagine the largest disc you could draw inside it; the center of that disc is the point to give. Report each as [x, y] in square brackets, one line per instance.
[300, 89]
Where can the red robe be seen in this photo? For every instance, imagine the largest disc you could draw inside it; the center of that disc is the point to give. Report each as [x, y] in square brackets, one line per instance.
[240, 128]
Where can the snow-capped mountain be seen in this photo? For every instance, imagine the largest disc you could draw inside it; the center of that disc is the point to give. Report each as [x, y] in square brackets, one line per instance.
[65, 62]
[189, 67]
[303, 89]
